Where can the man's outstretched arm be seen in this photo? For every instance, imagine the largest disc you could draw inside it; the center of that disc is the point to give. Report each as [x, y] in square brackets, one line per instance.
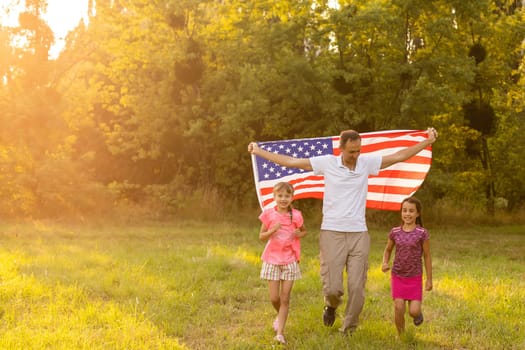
[281, 159]
[404, 154]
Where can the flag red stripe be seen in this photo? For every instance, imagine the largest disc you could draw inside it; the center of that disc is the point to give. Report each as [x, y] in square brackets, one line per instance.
[312, 194]
[383, 205]
[318, 195]
[403, 174]
[297, 184]
[418, 160]
[307, 178]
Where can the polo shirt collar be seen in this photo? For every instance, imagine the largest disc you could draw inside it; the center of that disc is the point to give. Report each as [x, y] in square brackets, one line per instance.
[340, 161]
[342, 166]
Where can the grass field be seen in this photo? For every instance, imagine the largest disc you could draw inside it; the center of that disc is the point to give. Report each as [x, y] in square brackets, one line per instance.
[196, 286]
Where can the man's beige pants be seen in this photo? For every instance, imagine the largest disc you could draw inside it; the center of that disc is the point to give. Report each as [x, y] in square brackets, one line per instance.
[340, 250]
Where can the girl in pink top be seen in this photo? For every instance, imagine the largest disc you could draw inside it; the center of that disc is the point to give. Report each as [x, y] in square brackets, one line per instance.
[282, 227]
[411, 241]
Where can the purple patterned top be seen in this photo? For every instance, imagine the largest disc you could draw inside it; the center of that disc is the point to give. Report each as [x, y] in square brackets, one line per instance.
[409, 249]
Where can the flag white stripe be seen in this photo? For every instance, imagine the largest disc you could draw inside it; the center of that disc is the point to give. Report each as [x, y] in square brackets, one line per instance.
[380, 181]
[386, 197]
[415, 167]
[387, 151]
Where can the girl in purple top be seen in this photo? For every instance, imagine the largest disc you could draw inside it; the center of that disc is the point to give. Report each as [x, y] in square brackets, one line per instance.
[411, 241]
[282, 226]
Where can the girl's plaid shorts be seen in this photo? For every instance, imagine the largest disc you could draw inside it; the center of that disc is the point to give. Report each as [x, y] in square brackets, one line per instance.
[289, 272]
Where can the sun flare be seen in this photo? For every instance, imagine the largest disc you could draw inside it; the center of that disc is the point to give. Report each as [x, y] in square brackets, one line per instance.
[62, 16]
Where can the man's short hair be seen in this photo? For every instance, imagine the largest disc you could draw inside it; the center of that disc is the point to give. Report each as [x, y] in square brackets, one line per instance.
[348, 135]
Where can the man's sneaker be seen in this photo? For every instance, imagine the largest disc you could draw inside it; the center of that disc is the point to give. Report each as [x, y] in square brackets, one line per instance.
[328, 316]
[418, 320]
[347, 331]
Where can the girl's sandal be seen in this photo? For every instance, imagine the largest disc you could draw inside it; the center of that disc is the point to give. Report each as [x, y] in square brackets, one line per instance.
[418, 320]
[280, 338]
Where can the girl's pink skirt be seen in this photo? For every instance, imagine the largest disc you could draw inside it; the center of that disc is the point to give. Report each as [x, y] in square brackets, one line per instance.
[407, 288]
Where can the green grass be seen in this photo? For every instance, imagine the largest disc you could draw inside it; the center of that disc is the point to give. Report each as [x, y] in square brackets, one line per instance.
[196, 286]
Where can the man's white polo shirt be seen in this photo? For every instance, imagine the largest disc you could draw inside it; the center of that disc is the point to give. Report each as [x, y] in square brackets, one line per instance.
[344, 202]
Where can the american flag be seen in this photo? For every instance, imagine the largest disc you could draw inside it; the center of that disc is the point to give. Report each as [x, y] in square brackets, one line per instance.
[385, 191]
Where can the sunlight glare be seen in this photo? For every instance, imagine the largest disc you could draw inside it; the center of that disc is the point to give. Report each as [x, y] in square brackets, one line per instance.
[61, 15]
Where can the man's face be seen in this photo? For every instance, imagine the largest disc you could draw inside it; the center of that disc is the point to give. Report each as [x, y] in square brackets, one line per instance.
[351, 151]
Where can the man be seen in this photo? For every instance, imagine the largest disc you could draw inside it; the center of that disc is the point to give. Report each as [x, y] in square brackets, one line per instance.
[344, 241]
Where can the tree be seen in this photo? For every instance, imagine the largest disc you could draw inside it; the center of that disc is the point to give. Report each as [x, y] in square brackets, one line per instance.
[156, 100]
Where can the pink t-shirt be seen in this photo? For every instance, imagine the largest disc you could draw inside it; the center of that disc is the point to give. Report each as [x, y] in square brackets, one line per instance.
[283, 247]
[409, 249]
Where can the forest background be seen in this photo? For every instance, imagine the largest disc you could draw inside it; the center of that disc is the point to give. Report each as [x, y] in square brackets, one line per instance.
[147, 111]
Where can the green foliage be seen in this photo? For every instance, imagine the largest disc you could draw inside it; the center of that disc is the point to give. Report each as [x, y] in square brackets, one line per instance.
[154, 102]
[15, 183]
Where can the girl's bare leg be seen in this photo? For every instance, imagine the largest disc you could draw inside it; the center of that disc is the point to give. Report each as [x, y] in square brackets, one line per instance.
[399, 315]
[286, 290]
[414, 308]
[275, 299]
